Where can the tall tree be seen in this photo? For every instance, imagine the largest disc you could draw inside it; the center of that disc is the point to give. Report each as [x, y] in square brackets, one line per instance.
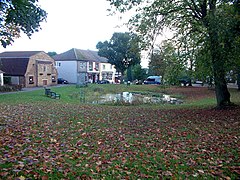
[216, 22]
[122, 50]
[17, 16]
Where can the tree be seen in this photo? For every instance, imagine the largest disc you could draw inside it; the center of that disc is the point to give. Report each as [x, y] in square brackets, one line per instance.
[122, 50]
[53, 53]
[166, 62]
[157, 65]
[18, 16]
[203, 68]
[139, 73]
[215, 22]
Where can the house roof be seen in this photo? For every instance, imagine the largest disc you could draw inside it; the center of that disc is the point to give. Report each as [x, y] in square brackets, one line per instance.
[1, 72]
[15, 63]
[81, 55]
[14, 66]
[18, 54]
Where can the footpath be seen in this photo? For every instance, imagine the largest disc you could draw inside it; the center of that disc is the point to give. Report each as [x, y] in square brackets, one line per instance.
[31, 89]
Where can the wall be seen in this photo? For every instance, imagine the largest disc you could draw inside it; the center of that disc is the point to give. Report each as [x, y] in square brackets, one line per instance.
[105, 70]
[1, 79]
[41, 71]
[67, 70]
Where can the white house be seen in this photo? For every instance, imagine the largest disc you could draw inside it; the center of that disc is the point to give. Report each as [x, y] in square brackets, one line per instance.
[108, 72]
[71, 66]
[80, 66]
[1, 78]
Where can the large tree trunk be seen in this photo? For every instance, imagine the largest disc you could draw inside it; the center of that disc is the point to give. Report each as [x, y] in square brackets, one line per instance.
[218, 62]
[218, 59]
[222, 93]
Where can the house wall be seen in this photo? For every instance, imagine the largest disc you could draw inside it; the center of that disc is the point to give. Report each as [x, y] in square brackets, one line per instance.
[107, 71]
[41, 71]
[67, 70]
[81, 72]
[1, 79]
[93, 71]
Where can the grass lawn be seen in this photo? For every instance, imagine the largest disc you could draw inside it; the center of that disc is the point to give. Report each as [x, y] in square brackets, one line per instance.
[44, 138]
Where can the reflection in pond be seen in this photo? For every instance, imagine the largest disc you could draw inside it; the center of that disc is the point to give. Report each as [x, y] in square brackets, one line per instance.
[136, 98]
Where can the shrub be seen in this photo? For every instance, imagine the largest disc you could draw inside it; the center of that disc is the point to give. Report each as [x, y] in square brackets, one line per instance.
[10, 88]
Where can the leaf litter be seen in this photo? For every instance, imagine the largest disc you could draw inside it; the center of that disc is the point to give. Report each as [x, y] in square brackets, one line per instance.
[49, 140]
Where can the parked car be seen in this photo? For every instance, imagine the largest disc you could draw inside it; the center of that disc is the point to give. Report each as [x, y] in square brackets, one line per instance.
[103, 82]
[153, 80]
[184, 80]
[198, 82]
[62, 81]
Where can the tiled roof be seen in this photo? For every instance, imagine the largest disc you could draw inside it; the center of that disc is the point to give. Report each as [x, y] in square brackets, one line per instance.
[19, 54]
[14, 66]
[68, 55]
[15, 63]
[79, 54]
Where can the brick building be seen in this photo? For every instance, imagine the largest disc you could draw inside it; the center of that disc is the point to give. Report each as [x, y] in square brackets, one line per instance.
[28, 68]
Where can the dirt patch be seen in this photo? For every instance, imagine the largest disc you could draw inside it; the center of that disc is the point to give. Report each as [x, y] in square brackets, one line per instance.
[193, 93]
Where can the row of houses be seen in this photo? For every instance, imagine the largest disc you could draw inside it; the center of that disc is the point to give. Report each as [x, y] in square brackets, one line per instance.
[37, 68]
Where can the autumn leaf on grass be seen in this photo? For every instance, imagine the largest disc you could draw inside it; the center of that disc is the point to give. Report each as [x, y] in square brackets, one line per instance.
[201, 171]
[45, 177]
[3, 174]
[21, 178]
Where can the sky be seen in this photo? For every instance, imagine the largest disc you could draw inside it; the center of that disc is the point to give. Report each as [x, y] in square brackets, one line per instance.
[71, 24]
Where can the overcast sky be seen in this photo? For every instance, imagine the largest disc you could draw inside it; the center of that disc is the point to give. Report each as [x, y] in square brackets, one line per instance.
[71, 24]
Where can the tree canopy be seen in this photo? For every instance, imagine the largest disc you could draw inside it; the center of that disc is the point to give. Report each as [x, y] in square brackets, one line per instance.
[122, 50]
[18, 16]
[165, 62]
[210, 23]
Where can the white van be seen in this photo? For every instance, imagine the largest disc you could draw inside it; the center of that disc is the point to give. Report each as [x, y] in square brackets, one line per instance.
[153, 80]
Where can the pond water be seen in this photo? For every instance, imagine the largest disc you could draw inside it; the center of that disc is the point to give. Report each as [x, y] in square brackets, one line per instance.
[136, 98]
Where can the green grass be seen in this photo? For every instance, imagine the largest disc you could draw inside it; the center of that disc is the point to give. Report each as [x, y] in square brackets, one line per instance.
[71, 94]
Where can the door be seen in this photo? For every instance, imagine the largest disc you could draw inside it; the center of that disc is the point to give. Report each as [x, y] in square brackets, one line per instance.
[44, 82]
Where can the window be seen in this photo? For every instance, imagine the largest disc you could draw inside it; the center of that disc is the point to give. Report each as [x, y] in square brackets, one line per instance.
[44, 68]
[53, 79]
[104, 67]
[82, 65]
[96, 66]
[90, 66]
[109, 76]
[57, 64]
[31, 80]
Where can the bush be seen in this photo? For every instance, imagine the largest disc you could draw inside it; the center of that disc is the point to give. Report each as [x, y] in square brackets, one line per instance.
[8, 88]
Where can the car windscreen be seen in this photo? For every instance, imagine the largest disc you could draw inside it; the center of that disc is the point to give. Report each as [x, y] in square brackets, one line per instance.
[150, 79]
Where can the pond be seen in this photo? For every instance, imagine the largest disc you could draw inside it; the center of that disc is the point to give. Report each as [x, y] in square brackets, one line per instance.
[136, 98]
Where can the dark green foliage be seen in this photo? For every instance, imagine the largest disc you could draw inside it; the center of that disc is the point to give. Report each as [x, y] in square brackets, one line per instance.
[166, 62]
[122, 51]
[139, 73]
[17, 16]
[52, 53]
